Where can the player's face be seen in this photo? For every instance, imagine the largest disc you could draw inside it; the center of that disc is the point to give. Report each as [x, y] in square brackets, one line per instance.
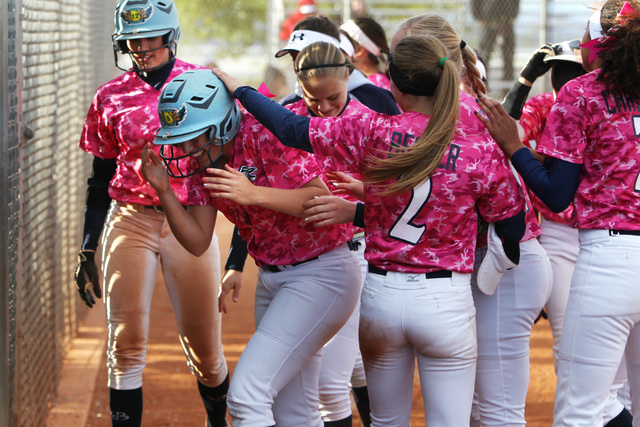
[148, 53]
[200, 149]
[197, 148]
[325, 96]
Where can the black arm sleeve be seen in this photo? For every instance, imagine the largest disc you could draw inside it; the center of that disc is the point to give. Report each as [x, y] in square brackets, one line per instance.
[511, 230]
[98, 201]
[555, 182]
[237, 252]
[514, 101]
[292, 130]
[358, 219]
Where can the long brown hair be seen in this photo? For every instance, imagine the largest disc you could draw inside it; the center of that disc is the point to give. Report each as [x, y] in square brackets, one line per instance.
[621, 56]
[419, 58]
[457, 51]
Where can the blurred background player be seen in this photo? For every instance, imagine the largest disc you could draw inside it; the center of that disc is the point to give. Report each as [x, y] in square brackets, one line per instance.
[497, 18]
[371, 49]
[137, 235]
[305, 9]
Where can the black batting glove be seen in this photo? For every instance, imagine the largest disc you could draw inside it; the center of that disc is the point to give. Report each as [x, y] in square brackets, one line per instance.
[87, 278]
[536, 66]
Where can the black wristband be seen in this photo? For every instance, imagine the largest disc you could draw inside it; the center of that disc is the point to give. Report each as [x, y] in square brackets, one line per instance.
[515, 99]
[238, 252]
[358, 218]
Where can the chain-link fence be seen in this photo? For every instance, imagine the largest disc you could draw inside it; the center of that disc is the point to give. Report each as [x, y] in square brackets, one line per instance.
[56, 53]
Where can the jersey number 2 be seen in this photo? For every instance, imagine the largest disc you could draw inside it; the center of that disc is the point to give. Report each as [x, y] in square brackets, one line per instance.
[403, 229]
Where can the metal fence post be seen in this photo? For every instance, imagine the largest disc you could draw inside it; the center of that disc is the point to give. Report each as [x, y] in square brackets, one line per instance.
[9, 203]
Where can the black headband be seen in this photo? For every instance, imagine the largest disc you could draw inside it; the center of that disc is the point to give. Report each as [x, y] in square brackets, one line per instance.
[407, 85]
[311, 67]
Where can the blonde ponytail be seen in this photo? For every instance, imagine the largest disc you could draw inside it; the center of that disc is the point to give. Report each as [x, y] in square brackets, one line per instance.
[420, 59]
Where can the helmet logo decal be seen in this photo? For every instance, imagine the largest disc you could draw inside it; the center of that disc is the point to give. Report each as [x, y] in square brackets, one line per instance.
[173, 118]
[137, 16]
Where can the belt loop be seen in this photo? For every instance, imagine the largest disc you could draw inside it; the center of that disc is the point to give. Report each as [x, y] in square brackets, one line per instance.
[614, 233]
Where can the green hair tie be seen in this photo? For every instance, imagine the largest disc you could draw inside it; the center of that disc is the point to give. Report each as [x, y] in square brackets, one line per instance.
[441, 63]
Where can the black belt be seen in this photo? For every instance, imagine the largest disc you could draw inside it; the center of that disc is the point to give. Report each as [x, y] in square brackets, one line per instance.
[439, 274]
[624, 232]
[279, 268]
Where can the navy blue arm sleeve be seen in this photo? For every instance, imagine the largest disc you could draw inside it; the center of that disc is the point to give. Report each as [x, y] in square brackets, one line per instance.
[237, 252]
[358, 218]
[292, 130]
[98, 201]
[555, 182]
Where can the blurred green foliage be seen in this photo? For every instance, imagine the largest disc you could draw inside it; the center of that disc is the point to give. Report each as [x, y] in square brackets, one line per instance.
[235, 23]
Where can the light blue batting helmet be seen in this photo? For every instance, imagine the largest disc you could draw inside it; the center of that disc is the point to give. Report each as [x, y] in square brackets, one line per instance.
[194, 102]
[135, 19]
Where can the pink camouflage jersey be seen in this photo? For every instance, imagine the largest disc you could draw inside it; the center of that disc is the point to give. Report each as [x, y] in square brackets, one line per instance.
[328, 164]
[532, 226]
[121, 120]
[468, 106]
[274, 237]
[432, 227]
[533, 120]
[380, 80]
[599, 130]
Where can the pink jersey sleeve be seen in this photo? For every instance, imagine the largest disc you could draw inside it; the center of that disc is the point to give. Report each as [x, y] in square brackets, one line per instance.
[533, 120]
[534, 117]
[563, 136]
[274, 237]
[97, 136]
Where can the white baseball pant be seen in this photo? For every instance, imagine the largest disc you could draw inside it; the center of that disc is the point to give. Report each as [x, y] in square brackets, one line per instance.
[296, 311]
[504, 322]
[338, 360]
[600, 327]
[404, 316]
[562, 245]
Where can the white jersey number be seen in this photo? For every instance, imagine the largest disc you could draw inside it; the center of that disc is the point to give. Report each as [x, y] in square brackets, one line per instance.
[403, 229]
